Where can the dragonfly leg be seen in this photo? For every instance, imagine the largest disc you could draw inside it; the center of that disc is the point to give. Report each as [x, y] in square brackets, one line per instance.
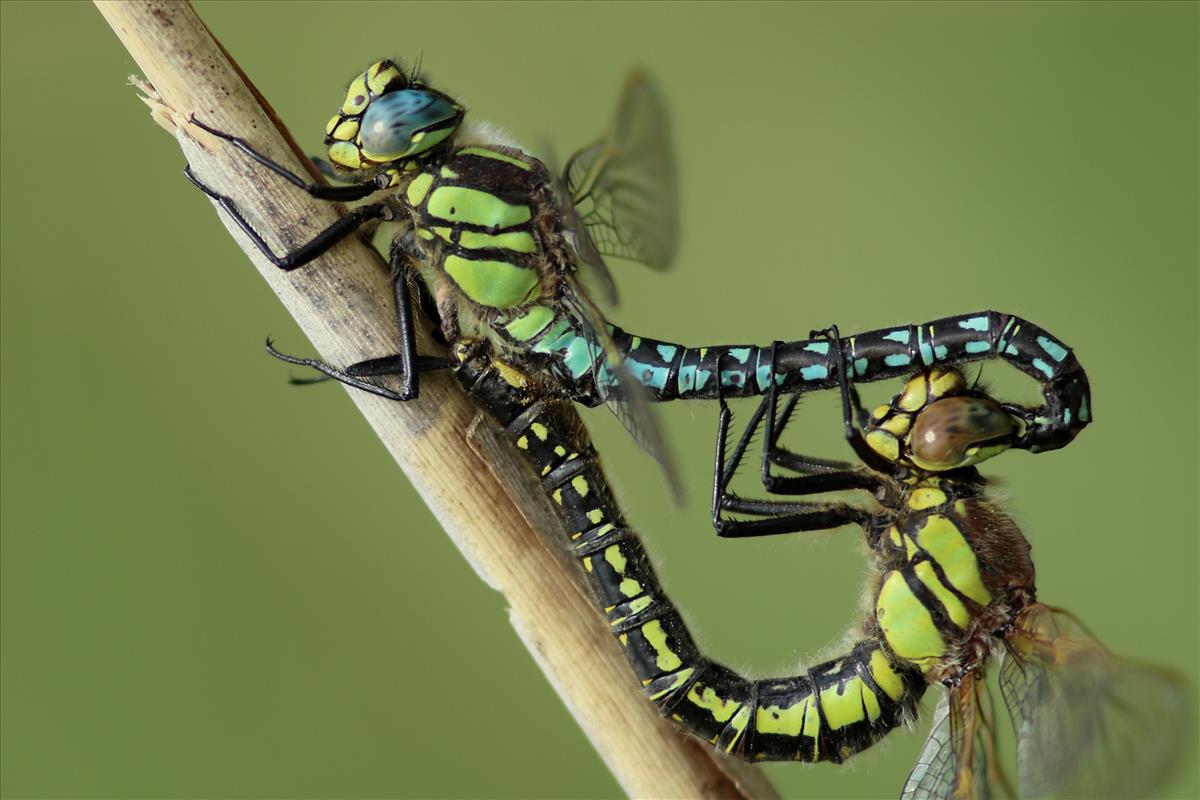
[404, 323]
[854, 416]
[320, 191]
[389, 365]
[319, 244]
[777, 516]
[816, 474]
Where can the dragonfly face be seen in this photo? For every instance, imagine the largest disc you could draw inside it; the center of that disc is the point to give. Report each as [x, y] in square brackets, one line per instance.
[386, 118]
[937, 424]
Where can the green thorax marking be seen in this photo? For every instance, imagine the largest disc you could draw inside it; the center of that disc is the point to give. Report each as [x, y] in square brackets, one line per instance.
[941, 560]
[480, 202]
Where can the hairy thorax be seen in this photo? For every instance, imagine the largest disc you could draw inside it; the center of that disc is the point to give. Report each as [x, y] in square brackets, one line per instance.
[954, 571]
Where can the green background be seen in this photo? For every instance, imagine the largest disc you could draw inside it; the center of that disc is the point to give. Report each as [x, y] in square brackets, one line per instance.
[215, 584]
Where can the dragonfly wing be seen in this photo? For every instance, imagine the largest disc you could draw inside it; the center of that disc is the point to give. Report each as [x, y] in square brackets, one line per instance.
[593, 269]
[623, 186]
[1087, 723]
[957, 760]
[617, 388]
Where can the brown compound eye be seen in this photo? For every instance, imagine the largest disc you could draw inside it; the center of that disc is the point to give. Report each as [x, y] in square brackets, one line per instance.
[958, 432]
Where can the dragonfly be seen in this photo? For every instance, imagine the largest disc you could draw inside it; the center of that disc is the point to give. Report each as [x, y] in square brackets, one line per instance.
[486, 235]
[954, 584]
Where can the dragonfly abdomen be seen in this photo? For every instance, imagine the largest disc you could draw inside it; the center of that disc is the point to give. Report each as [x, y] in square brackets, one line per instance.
[829, 712]
[673, 371]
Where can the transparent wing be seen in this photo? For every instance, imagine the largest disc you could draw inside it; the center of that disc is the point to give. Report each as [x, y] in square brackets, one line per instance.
[1087, 723]
[623, 186]
[592, 268]
[591, 264]
[619, 390]
[957, 759]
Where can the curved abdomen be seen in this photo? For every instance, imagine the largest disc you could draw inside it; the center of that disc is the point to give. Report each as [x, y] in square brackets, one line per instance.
[827, 713]
[672, 371]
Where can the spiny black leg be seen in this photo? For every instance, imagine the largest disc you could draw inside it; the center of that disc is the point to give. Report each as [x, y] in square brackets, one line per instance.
[772, 435]
[818, 474]
[377, 368]
[781, 456]
[815, 517]
[322, 242]
[832, 334]
[720, 480]
[772, 452]
[851, 404]
[724, 470]
[404, 325]
[423, 363]
[318, 190]
[784, 517]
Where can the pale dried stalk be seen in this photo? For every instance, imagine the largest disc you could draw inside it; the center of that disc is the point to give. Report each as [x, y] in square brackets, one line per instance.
[343, 303]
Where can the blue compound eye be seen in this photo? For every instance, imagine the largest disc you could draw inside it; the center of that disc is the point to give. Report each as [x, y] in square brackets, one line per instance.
[406, 122]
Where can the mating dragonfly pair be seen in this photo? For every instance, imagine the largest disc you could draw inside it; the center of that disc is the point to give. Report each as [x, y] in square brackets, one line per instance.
[500, 250]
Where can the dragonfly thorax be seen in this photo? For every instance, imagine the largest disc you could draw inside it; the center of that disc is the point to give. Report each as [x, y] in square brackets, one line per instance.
[477, 217]
[954, 569]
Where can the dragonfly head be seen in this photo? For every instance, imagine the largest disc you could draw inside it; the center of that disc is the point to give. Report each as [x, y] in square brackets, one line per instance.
[387, 118]
[937, 423]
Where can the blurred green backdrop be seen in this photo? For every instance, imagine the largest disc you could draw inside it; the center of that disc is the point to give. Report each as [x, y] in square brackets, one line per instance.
[215, 584]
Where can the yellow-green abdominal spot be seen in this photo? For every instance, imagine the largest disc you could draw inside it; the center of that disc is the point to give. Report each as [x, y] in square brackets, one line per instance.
[907, 624]
[580, 485]
[738, 725]
[885, 677]
[843, 704]
[782, 721]
[616, 558]
[871, 703]
[721, 710]
[460, 204]
[656, 637]
[680, 678]
[640, 604]
[812, 726]
[954, 607]
[630, 588]
[496, 284]
[944, 542]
